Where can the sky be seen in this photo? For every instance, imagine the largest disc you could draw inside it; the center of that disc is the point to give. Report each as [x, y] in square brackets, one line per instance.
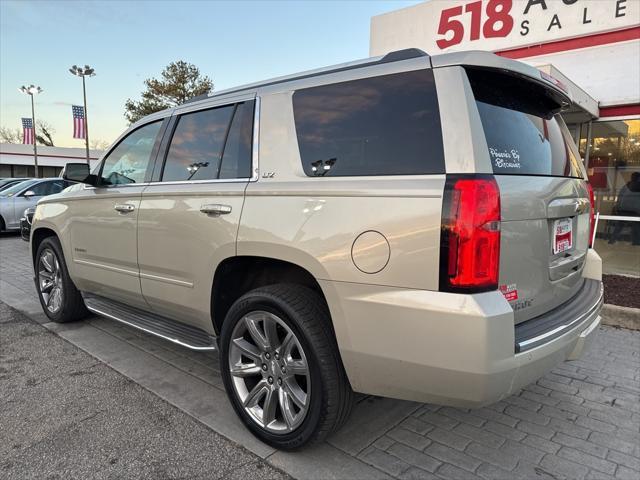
[126, 42]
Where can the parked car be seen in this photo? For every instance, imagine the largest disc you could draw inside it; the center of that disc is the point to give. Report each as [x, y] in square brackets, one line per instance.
[25, 223]
[15, 199]
[407, 226]
[7, 182]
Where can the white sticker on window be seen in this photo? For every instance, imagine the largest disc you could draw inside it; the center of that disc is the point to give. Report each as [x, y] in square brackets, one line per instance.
[505, 158]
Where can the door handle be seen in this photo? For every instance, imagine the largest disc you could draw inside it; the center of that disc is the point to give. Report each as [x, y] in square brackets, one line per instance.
[215, 209]
[124, 208]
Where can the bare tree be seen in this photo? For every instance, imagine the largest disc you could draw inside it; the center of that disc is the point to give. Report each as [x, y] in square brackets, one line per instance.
[98, 144]
[10, 135]
[44, 134]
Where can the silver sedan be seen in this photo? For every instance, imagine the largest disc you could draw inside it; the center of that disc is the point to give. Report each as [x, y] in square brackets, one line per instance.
[15, 199]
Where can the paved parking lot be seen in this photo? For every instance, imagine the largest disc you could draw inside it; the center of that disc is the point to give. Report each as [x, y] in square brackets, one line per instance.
[67, 415]
[580, 421]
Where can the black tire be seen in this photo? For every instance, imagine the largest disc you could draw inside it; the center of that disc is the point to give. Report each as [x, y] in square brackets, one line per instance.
[305, 313]
[72, 306]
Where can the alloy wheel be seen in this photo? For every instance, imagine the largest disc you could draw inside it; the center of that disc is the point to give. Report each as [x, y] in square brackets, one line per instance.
[269, 372]
[50, 280]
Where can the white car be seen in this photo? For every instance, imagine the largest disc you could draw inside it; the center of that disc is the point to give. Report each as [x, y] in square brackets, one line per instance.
[15, 199]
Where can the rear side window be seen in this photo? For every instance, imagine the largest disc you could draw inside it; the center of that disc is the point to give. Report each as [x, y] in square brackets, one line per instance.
[197, 145]
[236, 160]
[386, 125]
[524, 134]
[211, 144]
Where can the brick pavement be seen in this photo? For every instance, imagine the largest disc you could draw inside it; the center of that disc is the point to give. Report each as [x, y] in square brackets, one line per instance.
[580, 421]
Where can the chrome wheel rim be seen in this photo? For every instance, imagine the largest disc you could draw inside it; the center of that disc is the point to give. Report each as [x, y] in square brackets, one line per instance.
[269, 372]
[50, 280]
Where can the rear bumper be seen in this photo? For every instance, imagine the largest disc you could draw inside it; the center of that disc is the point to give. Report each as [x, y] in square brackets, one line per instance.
[444, 348]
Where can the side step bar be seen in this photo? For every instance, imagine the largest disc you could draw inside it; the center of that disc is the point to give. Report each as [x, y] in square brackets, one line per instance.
[185, 335]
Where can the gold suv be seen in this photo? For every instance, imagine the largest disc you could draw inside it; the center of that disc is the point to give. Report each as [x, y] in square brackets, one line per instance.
[408, 226]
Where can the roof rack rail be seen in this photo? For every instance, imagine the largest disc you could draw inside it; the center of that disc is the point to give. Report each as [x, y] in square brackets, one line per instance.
[396, 56]
[405, 54]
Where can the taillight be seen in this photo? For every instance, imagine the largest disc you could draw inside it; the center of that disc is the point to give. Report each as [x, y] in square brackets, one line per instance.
[592, 215]
[470, 235]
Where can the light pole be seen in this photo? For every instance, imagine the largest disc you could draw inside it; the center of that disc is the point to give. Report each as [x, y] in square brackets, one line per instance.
[87, 71]
[32, 90]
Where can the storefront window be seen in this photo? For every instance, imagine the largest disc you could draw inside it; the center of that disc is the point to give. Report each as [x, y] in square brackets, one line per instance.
[614, 173]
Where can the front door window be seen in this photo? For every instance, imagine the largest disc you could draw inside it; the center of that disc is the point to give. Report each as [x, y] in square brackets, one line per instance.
[128, 162]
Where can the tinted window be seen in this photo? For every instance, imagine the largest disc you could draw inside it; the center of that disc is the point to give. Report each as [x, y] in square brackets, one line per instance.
[524, 134]
[236, 161]
[197, 145]
[42, 188]
[128, 162]
[387, 125]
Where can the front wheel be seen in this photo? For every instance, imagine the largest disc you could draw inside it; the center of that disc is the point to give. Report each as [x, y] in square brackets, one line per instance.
[281, 366]
[59, 297]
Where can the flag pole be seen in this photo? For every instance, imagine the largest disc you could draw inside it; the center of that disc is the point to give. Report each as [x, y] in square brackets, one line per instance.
[86, 120]
[83, 72]
[32, 90]
[35, 140]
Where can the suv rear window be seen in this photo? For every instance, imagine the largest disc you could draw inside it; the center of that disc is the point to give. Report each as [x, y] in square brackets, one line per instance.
[386, 125]
[524, 133]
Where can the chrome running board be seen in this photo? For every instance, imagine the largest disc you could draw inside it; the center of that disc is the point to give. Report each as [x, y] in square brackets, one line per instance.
[185, 335]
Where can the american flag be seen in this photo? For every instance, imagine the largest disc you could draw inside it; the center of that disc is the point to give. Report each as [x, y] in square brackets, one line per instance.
[78, 121]
[27, 130]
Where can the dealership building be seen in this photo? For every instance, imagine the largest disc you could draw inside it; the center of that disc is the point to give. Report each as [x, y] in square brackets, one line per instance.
[593, 48]
[17, 160]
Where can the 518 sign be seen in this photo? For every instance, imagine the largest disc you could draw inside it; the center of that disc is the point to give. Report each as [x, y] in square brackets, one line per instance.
[497, 24]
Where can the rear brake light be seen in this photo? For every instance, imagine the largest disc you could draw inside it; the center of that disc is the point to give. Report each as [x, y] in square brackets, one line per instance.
[470, 235]
[592, 215]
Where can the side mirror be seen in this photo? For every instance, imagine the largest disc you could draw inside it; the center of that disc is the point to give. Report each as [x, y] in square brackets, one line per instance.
[78, 172]
[29, 194]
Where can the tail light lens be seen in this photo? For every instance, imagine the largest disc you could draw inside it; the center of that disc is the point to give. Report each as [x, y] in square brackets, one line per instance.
[592, 215]
[470, 235]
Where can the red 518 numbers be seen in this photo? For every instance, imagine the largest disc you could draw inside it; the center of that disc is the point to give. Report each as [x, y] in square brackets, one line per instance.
[498, 22]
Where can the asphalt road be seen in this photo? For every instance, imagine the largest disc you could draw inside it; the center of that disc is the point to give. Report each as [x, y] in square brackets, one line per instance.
[64, 414]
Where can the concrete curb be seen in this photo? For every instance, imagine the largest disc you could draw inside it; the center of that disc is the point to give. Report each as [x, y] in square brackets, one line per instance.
[624, 317]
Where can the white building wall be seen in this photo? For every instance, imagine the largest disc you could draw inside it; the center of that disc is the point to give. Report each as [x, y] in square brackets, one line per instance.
[19, 154]
[609, 73]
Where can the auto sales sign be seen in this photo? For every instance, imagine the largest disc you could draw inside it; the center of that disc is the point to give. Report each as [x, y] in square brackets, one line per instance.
[438, 26]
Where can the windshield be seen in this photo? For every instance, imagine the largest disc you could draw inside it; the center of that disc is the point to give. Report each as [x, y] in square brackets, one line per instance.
[7, 182]
[11, 191]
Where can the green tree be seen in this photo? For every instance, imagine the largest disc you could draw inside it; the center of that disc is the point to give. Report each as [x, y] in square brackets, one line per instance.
[180, 81]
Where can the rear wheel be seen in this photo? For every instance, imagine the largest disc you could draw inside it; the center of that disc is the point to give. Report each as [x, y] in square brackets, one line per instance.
[59, 297]
[281, 366]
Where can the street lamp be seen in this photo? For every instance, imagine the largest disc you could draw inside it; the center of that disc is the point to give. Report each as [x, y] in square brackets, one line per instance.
[32, 90]
[87, 71]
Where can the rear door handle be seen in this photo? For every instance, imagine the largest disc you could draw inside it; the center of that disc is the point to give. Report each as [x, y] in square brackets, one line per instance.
[124, 208]
[215, 209]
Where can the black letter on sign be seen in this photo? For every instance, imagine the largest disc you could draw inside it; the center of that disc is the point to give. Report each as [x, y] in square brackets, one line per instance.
[531, 3]
[620, 8]
[585, 20]
[525, 27]
[569, 2]
[555, 22]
